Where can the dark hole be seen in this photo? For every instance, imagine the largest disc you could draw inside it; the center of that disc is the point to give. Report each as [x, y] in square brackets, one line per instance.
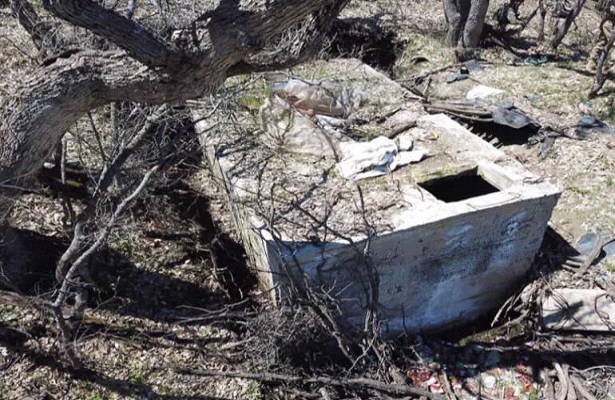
[501, 135]
[458, 187]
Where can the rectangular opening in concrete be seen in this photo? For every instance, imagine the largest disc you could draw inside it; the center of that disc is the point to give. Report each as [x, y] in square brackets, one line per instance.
[462, 186]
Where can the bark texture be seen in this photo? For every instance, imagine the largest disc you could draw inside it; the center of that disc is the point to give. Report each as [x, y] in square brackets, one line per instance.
[465, 19]
[235, 38]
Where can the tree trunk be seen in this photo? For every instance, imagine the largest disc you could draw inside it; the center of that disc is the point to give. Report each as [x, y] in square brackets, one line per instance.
[456, 13]
[465, 19]
[235, 38]
[474, 24]
[566, 16]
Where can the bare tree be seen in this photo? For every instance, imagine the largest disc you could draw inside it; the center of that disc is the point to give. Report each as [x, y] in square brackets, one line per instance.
[465, 19]
[117, 60]
[236, 37]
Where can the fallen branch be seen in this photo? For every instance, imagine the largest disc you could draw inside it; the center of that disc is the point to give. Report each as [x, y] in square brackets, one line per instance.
[446, 385]
[580, 267]
[566, 388]
[581, 389]
[465, 111]
[428, 73]
[399, 390]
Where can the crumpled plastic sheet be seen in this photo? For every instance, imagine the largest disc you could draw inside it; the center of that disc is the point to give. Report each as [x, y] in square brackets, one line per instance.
[588, 124]
[320, 99]
[509, 115]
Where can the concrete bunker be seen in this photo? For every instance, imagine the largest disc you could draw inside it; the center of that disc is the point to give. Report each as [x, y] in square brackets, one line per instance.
[449, 237]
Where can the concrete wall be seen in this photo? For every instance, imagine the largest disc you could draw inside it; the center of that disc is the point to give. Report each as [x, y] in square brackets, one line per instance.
[438, 264]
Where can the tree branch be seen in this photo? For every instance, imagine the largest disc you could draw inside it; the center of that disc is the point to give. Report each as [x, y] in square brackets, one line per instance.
[36, 117]
[293, 50]
[31, 22]
[127, 34]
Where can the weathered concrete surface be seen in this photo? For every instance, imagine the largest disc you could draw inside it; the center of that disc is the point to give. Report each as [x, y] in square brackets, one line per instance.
[579, 310]
[436, 264]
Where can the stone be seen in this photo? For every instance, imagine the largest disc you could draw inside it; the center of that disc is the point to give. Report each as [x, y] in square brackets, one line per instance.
[404, 141]
[483, 92]
[578, 310]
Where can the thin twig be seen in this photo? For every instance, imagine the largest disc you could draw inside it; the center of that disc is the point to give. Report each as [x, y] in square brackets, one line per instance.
[75, 268]
[428, 73]
[98, 138]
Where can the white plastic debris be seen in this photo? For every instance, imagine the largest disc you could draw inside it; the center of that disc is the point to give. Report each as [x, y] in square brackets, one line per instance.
[282, 127]
[317, 99]
[374, 158]
[409, 157]
[483, 92]
[404, 141]
[488, 381]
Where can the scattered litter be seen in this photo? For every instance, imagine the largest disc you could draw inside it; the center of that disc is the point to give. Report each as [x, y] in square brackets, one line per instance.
[498, 124]
[319, 99]
[493, 382]
[588, 124]
[476, 110]
[459, 76]
[473, 65]
[434, 385]
[493, 358]
[283, 127]
[509, 115]
[482, 92]
[578, 310]
[588, 248]
[374, 158]
[586, 245]
[536, 60]
[609, 250]
[488, 381]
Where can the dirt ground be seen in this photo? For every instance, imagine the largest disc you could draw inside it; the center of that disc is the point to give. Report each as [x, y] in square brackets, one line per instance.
[174, 292]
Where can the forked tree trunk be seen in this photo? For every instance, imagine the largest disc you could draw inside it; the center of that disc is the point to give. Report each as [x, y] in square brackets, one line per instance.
[234, 35]
[465, 19]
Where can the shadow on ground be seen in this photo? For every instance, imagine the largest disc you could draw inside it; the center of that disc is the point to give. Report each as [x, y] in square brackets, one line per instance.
[158, 291]
[125, 388]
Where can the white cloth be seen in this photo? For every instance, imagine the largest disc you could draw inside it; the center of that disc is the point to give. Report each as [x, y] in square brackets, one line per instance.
[374, 158]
